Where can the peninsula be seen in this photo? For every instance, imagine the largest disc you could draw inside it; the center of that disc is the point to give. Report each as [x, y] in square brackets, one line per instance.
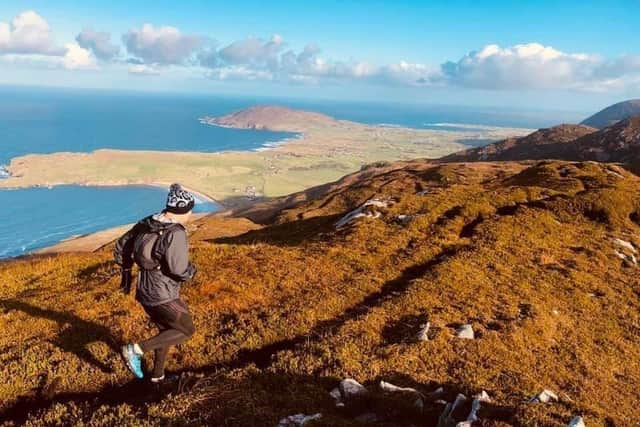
[324, 150]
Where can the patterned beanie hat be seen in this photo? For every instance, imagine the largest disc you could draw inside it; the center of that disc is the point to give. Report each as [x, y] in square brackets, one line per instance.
[179, 201]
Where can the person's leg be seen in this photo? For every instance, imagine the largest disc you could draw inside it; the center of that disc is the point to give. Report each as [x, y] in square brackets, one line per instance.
[176, 326]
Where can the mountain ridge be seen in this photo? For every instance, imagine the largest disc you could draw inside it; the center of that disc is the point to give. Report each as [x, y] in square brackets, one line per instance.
[613, 114]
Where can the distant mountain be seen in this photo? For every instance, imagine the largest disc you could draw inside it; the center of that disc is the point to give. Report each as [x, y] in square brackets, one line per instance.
[613, 114]
[542, 144]
[618, 143]
[271, 117]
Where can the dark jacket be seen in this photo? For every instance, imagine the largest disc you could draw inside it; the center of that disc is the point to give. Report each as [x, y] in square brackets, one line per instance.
[159, 286]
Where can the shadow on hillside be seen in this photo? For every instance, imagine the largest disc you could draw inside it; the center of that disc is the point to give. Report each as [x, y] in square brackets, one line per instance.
[264, 397]
[101, 271]
[262, 356]
[295, 394]
[75, 333]
[291, 233]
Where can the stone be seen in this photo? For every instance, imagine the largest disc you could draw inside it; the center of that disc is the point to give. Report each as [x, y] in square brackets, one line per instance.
[423, 333]
[545, 396]
[351, 388]
[446, 419]
[577, 421]
[362, 211]
[417, 396]
[625, 244]
[475, 405]
[465, 332]
[298, 420]
[390, 388]
[404, 219]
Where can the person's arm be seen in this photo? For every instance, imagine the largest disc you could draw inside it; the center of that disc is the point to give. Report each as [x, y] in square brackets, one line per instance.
[123, 250]
[176, 256]
[123, 255]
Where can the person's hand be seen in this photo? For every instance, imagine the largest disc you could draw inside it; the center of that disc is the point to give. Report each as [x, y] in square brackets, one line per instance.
[125, 281]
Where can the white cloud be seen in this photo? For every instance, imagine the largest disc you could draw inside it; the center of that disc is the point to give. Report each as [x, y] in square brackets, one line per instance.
[143, 70]
[239, 72]
[161, 45]
[28, 33]
[78, 58]
[254, 52]
[99, 43]
[535, 66]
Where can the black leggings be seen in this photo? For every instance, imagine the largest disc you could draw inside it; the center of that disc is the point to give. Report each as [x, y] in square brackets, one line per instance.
[176, 326]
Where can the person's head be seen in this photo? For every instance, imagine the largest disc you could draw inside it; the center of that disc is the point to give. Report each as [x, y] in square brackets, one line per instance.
[180, 203]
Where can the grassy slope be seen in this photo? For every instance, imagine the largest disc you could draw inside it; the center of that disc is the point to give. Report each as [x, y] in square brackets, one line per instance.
[523, 252]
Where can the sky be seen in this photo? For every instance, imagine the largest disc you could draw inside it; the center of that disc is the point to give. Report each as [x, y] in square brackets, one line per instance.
[547, 55]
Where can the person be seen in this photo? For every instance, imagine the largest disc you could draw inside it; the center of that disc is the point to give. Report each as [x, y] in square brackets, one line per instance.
[158, 245]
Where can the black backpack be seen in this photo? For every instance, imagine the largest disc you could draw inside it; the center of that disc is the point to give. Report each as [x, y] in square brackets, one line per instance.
[149, 247]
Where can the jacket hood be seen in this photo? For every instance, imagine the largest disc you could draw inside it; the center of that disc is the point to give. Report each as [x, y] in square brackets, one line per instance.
[153, 223]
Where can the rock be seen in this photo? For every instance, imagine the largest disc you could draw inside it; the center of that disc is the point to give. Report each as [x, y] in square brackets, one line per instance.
[475, 406]
[390, 388]
[576, 422]
[404, 219]
[465, 332]
[417, 396]
[351, 388]
[423, 333]
[545, 396]
[446, 418]
[625, 244]
[336, 394]
[363, 211]
[298, 420]
[367, 418]
[434, 395]
[630, 259]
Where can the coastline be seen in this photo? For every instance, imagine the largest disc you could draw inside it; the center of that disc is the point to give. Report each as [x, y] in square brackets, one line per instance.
[323, 150]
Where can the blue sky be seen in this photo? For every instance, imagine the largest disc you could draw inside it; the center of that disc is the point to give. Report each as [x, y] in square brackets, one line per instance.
[542, 54]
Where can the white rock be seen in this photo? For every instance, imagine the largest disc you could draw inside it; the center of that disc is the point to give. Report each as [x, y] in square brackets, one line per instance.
[404, 219]
[576, 422]
[545, 396]
[336, 394]
[475, 405]
[350, 388]
[360, 212]
[445, 419]
[423, 333]
[465, 332]
[390, 388]
[625, 244]
[298, 420]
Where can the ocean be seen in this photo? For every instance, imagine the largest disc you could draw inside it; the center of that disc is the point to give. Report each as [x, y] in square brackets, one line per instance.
[37, 120]
[38, 217]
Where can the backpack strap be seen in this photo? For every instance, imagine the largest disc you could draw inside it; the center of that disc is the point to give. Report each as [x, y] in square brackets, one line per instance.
[160, 247]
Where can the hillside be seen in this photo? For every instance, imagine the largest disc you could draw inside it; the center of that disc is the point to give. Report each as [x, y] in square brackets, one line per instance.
[618, 143]
[613, 114]
[538, 257]
[542, 144]
[272, 117]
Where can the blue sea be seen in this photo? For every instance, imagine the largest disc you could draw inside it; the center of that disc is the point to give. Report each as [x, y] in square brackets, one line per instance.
[37, 120]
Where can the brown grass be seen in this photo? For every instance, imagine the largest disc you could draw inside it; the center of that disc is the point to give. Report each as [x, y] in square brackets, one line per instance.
[523, 252]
